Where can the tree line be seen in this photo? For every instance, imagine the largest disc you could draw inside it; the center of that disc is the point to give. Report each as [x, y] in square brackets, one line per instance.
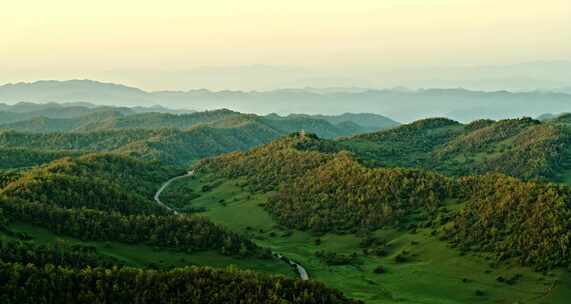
[182, 232]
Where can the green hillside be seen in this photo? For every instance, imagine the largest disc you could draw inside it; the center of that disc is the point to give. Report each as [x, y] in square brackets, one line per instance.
[28, 284]
[434, 211]
[168, 138]
[104, 119]
[103, 198]
[103, 182]
[505, 238]
[108, 119]
[523, 148]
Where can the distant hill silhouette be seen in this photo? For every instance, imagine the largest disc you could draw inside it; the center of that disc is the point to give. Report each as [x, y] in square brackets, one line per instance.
[403, 105]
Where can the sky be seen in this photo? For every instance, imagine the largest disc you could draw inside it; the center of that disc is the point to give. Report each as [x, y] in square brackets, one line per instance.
[158, 44]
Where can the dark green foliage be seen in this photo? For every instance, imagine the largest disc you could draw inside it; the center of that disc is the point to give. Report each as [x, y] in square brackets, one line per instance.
[58, 253]
[168, 138]
[360, 121]
[529, 221]
[342, 195]
[181, 232]
[105, 182]
[406, 146]
[107, 119]
[178, 121]
[322, 192]
[267, 166]
[524, 148]
[335, 259]
[78, 192]
[401, 257]
[379, 269]
[8, 176]
[23, 158]
[53, 284]
[179, 196]
[521, 147]
[325, 192]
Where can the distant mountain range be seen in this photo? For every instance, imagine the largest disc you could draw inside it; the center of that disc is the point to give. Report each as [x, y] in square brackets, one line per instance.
[401, 104]
[524, 76]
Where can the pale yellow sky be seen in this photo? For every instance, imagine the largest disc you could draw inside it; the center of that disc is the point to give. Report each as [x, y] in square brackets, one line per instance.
[71, 38]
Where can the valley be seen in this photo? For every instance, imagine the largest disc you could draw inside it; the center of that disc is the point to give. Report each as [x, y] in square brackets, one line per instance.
[285, 152]
[434, 211]
[433, 273]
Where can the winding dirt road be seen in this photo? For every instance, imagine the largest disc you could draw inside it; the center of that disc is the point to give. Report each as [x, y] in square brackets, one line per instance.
[300, 270]
[164, 186]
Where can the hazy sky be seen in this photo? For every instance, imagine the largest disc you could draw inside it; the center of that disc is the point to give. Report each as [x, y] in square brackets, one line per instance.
[61, 39]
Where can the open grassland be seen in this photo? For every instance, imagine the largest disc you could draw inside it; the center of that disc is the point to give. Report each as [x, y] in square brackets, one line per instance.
[432, 272]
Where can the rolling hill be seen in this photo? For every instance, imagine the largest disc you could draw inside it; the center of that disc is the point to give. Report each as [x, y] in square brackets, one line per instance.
[89, 221]
[170, 138]
[431, 211]
[346, 220]
[524, 148]
[46, 118]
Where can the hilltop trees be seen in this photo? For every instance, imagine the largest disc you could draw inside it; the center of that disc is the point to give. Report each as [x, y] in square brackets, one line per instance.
[268, 166]
[523, 148]
[107, 197]
[53, 283]
[331, 192]
[183, 232]
[343, 195]
[529, 221]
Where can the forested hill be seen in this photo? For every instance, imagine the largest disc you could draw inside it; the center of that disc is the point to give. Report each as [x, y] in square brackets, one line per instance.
[115, 119]
[99, 181]
[83, 278]
[169, 146]
[23, 111]
[106, 197]
[81, 117]
[524, 148]
[168, 138]
[319, 188]
[364, 121]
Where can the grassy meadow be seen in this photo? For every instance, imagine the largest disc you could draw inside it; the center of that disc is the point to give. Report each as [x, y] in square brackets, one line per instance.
[432, 273]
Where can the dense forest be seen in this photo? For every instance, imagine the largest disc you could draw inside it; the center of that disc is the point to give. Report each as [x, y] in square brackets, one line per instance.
[344, 195]
[21, 283]
[105, 119]
[523, 148]
[168, 138]
[481, 187]
[26, 158]
[527, 220]
[269, 165]
[62, 272]
[183, 232]
[333, 192]
[106, 197]
[98, 181]
[59, 253]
